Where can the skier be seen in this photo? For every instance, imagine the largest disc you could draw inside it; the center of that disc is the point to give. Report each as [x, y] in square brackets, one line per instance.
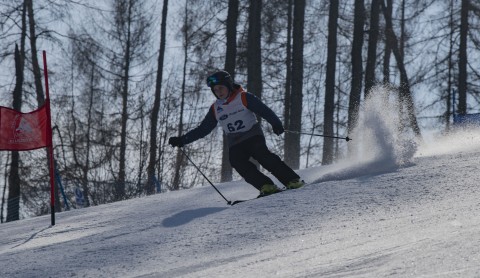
[235, 110]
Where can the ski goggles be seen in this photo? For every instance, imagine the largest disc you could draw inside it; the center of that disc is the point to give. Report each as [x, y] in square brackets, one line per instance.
[212, 81]
[218, 80]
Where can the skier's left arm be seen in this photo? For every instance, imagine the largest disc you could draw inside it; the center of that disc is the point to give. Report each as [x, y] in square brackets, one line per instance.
[255, 105]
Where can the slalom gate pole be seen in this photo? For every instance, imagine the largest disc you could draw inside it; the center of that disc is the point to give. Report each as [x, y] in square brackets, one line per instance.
[198, 169]
[49, 142]
[321, 135]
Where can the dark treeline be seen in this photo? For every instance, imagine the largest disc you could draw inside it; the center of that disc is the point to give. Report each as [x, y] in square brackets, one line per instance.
[125, 75]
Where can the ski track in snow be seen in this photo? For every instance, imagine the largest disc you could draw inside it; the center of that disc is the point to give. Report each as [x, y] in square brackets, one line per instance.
[384, 213]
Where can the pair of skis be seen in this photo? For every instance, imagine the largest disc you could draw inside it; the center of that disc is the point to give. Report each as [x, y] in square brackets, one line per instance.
[232, 203]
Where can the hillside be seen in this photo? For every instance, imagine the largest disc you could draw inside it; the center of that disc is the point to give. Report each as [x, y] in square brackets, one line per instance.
[416, 220]
[396, 208]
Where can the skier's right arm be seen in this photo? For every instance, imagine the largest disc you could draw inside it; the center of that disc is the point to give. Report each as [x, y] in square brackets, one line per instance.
[205, 127]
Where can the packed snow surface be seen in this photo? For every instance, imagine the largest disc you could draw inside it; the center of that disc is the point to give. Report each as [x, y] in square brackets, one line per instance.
[399, 208]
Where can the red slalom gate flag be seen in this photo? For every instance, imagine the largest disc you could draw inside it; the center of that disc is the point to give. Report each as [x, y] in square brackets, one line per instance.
[24, 131]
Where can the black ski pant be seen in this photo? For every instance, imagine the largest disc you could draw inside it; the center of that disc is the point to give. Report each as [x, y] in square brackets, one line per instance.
[256, 148]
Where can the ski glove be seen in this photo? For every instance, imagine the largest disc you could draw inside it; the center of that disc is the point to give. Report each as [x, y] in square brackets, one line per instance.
[278, 130]
[175, 141]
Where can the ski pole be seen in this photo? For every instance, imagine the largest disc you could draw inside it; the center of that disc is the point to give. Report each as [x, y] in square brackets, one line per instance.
[184, 153]
[313, 134]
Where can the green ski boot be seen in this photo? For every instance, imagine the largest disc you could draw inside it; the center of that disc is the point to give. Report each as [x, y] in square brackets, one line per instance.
[295, 184]
[268, 189]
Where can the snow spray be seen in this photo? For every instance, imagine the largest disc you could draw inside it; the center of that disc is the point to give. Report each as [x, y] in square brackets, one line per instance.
[382, 143]
[381, 130]
[459, 139]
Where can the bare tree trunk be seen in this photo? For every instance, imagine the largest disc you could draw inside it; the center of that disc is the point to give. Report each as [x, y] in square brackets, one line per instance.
[288, 75]
[254, 52]
[4, 191]
[121, 186]
[372, 47]
[388, 50]
[37, 74]
[13, 206]
[33, 44]
[328, 144]
[86, 167]
[292, 140]
[13, 203]
[156, 104]
[180, 159]
[448, 105]
[357, 68]
[230, 62]
[405, 94]
[462, 59]
[141, 146]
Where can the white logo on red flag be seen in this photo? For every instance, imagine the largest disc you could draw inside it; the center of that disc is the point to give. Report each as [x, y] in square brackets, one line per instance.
[23, 131]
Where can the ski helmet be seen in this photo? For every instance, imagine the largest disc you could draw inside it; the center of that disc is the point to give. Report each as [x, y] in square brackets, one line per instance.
[220, 78]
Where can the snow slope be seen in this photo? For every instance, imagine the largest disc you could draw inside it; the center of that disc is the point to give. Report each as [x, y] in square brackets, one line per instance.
[392, 214]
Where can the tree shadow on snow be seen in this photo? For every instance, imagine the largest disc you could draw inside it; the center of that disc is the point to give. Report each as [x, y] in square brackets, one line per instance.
[186, 216]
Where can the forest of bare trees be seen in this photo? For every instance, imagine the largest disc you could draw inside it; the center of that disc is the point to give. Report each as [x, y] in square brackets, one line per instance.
[125, 75]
